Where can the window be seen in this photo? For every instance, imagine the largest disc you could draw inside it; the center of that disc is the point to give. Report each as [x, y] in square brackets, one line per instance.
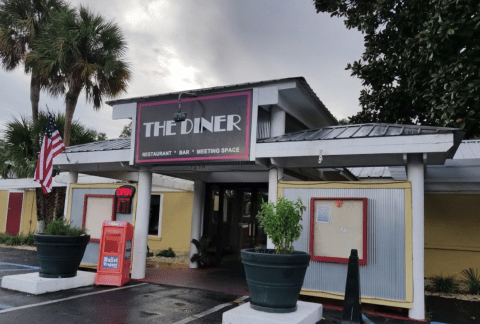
[96, 209]
[155, 220]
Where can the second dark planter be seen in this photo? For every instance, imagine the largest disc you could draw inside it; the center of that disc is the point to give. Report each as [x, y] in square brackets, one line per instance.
[60, 256]
[275, 280]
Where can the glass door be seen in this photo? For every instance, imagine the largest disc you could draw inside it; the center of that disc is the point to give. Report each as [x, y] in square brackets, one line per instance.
[230, 217]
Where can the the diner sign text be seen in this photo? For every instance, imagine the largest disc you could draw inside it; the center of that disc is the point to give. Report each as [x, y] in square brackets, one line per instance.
[217, 128]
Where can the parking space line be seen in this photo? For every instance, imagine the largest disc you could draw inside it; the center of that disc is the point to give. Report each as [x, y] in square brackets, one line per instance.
[67, 298]
[20, 265]
[208, 312]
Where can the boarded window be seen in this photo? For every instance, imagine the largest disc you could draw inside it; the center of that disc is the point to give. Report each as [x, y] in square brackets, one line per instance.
[97, 208]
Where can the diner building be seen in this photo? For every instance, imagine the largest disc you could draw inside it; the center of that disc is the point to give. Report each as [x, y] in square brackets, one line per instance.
[247, 143]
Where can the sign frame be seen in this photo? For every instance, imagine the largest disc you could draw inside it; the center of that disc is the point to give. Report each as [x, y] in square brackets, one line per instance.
[363, 230]
[244, 156]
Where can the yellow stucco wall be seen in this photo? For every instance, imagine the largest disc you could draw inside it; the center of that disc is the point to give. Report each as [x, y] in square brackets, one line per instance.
[176, 222]
[3, 210]
[28, 222]
[452, 227]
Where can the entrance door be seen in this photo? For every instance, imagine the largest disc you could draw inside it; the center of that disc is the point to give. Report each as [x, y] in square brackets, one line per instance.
[14, 214]
[231, 221]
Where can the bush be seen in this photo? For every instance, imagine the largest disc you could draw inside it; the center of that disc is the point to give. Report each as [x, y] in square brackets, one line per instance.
[13, 240]
[444, 284]
[3, 238]
[281, 223]
[472, 279]
[167, 253]
[28, 240]
[61, 227]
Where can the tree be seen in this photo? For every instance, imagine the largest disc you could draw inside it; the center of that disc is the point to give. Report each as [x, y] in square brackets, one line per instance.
[21, 23]
[421, 63]
[126, 131]
[19, 147]
[81, 51]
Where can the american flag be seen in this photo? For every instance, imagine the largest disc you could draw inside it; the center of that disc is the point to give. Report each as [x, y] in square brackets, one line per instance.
[51, 147]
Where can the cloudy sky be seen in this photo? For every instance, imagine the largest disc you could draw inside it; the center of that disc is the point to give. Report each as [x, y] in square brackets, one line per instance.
[179, 45]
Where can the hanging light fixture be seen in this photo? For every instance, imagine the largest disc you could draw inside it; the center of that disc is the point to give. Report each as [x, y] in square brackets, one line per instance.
[180, 116]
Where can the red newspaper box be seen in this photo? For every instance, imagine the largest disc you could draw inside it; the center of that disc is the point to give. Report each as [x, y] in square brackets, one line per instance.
[115, 254]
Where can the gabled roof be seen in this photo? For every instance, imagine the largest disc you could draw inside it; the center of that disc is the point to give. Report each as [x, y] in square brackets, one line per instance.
[230, 88]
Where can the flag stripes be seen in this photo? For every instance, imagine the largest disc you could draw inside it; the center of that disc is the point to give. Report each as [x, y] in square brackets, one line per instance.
[52, 146]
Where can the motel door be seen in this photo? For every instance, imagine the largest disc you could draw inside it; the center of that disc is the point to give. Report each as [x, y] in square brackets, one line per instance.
[231, 221]
[14, 213]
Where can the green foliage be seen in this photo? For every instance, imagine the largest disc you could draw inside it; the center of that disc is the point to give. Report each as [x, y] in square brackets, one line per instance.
[281, 223]
[62, 227]
[167, 253]
[444, 284]
[22, 139]
[421, 63]
[126, 131]
[15, 240]
[472, 279]
[81, 51]
[28, 240]
[21, 23]
[206, 252]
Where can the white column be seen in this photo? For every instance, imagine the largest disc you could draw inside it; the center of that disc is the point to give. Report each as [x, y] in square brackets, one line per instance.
[272, 194]
[197, 217]
[415, 173]
[142, 215]
[72, 178]
[277, 121]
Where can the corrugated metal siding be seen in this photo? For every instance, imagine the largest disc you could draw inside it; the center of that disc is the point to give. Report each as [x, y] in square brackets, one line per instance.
[108, 145]
[359, 131]
[384, 275]
[468, 150]
[76, 217]
[263, 124]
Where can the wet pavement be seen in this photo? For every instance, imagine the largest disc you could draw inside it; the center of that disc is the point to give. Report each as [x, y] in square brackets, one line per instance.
[141, 302]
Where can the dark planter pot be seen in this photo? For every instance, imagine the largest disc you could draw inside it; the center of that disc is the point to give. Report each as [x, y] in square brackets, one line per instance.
[274, 280]
[60, 256]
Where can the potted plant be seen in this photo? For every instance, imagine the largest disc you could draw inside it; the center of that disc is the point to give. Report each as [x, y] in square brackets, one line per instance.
[60, 249]
[275, 276]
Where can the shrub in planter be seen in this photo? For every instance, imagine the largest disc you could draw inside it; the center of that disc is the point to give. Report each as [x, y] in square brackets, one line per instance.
[60, 249]
[275, 277]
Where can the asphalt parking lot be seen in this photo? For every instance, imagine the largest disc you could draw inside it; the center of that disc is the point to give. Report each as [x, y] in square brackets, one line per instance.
[136, 302]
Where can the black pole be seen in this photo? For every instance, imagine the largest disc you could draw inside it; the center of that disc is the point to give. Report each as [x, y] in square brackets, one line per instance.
[352, 308]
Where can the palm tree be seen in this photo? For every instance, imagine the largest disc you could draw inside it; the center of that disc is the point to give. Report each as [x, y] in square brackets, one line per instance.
[21, 22]
[81, 51]
[19, 147]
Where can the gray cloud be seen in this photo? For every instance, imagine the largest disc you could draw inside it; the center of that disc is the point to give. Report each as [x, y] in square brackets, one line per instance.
[186, 44]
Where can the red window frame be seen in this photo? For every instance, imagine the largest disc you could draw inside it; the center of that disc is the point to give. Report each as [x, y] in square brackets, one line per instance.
[361, 261]
[85, 209]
